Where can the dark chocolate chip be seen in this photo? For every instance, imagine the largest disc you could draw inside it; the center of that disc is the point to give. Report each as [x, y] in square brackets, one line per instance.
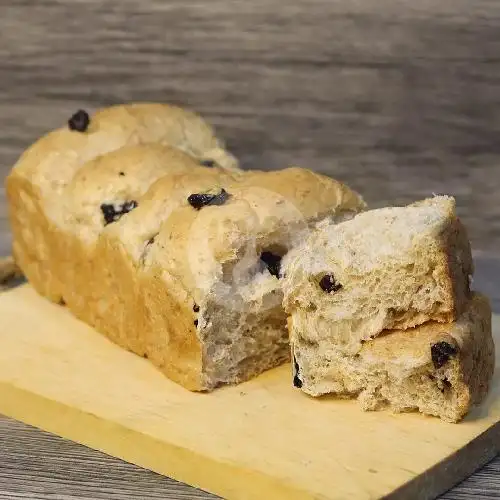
[272, 261]
[296, 379]
[328, 283]
[122, 173]
[196, 308]
[195, 322]
[200, 200]
[207, 163]
[151, 240]
[112, 212]
[441, 352]
[79, 121]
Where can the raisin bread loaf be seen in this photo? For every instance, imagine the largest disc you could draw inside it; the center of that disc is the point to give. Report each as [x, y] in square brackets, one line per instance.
[174, 255]
[439, 369]
[37, 182]
[390, 268]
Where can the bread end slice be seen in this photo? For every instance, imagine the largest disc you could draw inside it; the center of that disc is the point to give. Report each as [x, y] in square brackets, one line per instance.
[390, 268]
[436, 369]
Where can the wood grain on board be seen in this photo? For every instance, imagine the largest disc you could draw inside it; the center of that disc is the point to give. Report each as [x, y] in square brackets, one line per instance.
[260, 439]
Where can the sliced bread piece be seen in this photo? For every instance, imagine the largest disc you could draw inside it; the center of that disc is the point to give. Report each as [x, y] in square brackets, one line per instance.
[390, 268]
[437, 369]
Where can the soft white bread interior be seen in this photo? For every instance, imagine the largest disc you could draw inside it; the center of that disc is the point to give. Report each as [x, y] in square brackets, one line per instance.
[390, 268]
[439, 369]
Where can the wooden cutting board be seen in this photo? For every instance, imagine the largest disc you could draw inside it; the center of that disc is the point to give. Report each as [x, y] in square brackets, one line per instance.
[259, 440]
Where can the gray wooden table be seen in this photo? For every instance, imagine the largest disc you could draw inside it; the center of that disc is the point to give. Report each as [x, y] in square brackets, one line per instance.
[398, 98]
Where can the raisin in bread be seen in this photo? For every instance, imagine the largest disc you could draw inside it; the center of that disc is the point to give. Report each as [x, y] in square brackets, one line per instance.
[190, 278]
[37, 182]
[439, 369]
[390, 268]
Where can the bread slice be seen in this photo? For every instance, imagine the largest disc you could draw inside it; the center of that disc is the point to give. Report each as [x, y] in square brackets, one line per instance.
[37, 181]
[439, 369]
[194, 286]
[390, 268]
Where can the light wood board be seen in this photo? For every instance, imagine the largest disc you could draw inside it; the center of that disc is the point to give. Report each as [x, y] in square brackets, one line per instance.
[259, 440]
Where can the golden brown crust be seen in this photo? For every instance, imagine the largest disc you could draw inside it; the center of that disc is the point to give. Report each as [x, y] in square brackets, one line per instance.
[148, 312]
[52, 161]
[33, 237]
[37, 181]
[120, 177]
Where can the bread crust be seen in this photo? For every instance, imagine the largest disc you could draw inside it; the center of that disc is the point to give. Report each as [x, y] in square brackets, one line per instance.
[38, 180]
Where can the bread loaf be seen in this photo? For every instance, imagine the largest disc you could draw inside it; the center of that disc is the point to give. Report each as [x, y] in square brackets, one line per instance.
[439, 369]
[175, 261]
[390, 268]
